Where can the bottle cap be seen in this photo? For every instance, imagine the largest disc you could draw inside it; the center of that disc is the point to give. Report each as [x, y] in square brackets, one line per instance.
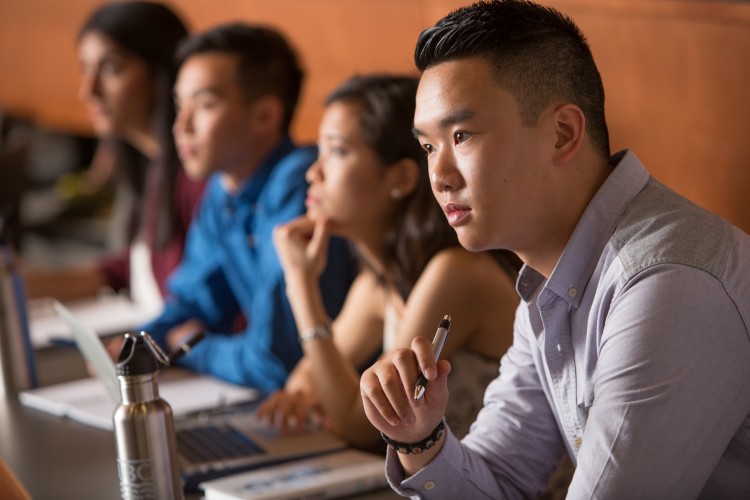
[135, 358]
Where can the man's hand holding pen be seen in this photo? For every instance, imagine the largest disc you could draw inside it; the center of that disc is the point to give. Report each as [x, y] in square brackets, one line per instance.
[387, 390]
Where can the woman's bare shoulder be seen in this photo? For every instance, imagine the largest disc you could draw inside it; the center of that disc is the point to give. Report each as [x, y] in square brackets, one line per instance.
[470, 268]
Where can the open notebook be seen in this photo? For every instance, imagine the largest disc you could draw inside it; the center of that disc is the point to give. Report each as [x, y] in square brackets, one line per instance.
[210, 444]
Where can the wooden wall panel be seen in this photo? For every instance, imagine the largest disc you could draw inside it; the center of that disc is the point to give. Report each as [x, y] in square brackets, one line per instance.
[675, 71]
[676, 82]
[38, 65]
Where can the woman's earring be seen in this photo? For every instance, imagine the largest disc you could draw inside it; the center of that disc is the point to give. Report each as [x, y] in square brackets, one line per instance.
[395, 193]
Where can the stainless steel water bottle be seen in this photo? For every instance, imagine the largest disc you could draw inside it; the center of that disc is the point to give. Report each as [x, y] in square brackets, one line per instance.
[144, 429]
[17, 367]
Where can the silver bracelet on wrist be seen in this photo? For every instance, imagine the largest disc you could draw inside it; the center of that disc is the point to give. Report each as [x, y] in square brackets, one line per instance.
[322, 331]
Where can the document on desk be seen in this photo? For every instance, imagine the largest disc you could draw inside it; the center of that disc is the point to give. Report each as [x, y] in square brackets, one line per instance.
[106, 315]
[334, 475]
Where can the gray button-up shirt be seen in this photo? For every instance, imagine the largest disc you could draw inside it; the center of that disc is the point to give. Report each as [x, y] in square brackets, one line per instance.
[634, 357]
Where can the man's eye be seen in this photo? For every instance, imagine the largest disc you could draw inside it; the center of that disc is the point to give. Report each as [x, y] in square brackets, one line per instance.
[460, 136]
[428, 148]
[205, 104]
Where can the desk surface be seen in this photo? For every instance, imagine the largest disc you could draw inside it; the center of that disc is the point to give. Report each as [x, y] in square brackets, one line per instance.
[60, 459]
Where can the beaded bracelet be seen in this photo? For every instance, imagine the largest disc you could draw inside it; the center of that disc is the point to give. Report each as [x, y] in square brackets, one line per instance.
[415, 448]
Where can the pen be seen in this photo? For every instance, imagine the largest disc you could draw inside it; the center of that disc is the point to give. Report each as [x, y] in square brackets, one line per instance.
[437, 345]
[185, 348]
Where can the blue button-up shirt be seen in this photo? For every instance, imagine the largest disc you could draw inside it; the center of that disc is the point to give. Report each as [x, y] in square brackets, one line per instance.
[634, 357]
[230, 265]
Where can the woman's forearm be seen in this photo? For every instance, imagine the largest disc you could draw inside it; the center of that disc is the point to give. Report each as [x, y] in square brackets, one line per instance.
[337, 386]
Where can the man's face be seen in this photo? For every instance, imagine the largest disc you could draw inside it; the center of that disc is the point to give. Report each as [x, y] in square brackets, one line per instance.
[214, 128]
[487, 169]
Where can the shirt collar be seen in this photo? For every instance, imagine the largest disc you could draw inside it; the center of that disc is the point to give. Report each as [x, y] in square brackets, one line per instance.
[594, 229]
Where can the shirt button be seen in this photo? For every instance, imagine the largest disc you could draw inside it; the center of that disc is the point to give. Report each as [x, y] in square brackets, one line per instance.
[429, 485]
[578, 442]
[572, 292]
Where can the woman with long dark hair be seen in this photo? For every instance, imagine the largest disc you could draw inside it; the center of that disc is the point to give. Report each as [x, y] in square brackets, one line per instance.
[126, 52]
[371, 186]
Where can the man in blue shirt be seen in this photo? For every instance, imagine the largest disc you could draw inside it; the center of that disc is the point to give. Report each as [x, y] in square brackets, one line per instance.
[631, 346]
[236, 92]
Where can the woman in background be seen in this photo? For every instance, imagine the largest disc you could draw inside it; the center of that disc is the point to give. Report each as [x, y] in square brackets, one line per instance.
[126, 51]
[370, 185]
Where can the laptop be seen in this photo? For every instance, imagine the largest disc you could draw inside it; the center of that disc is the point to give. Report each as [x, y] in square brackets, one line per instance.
[228, 444]
[210, 444]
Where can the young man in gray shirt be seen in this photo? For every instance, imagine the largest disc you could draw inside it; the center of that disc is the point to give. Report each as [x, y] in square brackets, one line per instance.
[631, 349]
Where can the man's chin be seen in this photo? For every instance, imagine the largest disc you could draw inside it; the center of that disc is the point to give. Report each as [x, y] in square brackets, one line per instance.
[472, 244]
[195, 171]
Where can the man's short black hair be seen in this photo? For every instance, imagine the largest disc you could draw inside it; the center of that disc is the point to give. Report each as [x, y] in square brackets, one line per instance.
[536, 53]
[267, 63]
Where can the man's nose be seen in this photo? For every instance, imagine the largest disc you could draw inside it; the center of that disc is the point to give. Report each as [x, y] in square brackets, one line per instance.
[444, 176]
[183, 121]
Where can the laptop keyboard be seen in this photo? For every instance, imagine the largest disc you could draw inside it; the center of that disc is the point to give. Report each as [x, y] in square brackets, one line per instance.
[214, 443]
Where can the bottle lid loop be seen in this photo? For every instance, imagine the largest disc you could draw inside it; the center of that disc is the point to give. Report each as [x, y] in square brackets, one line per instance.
[157, 351]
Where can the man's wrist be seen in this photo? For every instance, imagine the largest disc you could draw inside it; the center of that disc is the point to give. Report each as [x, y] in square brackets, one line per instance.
[419, 446]
[411, 464]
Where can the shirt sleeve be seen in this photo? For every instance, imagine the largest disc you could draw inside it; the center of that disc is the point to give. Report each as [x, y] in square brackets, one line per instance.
[673, 351]
[262, 355]
[265, 353]
[512, 448]
[198, 288]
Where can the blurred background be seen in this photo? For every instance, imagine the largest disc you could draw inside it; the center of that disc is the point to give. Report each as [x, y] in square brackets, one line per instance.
[675, 73]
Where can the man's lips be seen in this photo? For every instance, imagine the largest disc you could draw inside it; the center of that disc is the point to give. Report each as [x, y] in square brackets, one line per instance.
[456, 213]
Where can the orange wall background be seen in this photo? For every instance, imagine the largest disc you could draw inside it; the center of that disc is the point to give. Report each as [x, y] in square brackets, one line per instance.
[676, 72]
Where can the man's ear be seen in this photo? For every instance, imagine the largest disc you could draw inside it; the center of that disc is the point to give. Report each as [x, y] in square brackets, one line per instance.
[268, 113]
[570, 129]
[403, 177]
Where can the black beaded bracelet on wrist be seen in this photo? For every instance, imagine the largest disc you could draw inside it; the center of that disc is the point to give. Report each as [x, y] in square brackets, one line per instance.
[415, 448]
